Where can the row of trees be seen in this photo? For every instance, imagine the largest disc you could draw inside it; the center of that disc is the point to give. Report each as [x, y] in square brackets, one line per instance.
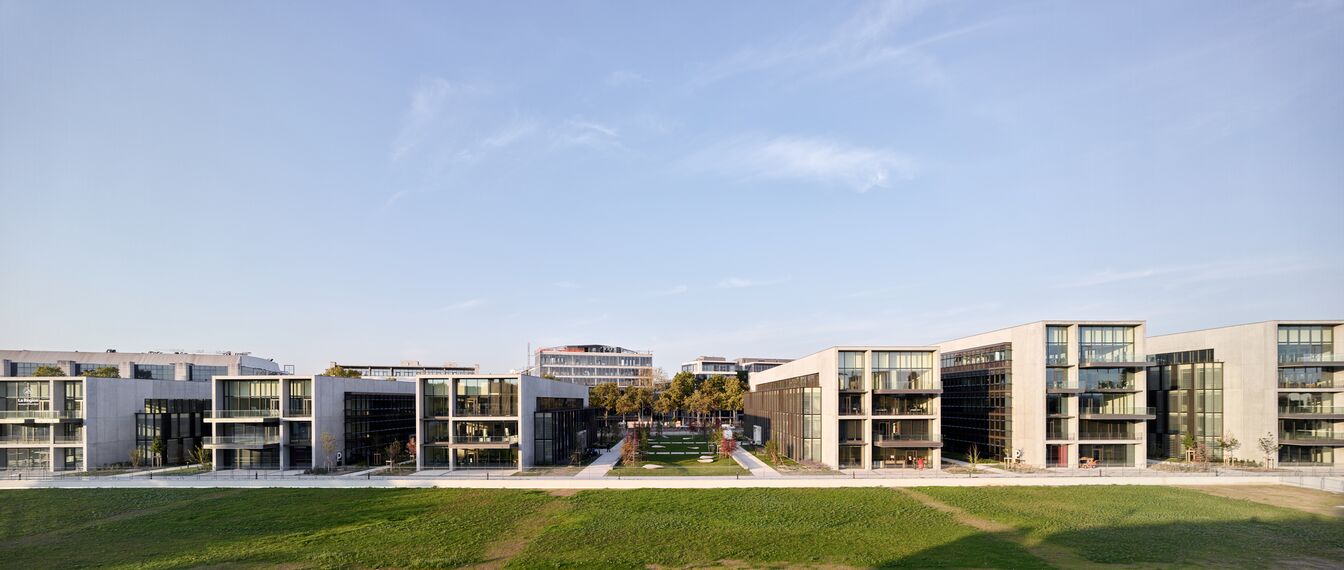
[716, 397]
[99, 372]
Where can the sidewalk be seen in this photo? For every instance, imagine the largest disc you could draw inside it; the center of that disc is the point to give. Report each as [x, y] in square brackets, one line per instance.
[751, 463]
[600, 466]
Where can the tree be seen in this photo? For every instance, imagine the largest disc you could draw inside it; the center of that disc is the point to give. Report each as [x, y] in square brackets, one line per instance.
[727, 447]
[629, 402]
[664, 405]
[1269, 445]
[1227, 444]
[549, 376]
[1188, 443]
[341, 372]
[683, 385]
[156, 450]
[714, 388]
[102, 372]
[605, 396]
[393, 452]
[136, 457]
[651, 378]
[973, 456]
[202, 456]
[732, 398]
[772, 451]
[700, 403]
[328, 447]
[630, 448]
[48, 371]
[410, 449]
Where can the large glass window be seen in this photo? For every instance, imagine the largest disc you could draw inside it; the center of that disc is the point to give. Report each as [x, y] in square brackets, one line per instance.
[1106, 344]
[1106, 379]
[485, 432]
[155, 371]
[487, 397]
[300, 398]
[1306, 343]
[28, 368]
[438, 394]
[201, 373]
[255, 397]
[850, 370]
[1056, 345]
[902, 370]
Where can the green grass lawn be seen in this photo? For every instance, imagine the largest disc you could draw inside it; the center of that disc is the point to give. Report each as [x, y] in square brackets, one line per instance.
[445, 528]
[683, 465]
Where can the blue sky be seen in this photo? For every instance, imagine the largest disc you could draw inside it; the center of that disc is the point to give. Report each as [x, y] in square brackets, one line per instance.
[451, 181]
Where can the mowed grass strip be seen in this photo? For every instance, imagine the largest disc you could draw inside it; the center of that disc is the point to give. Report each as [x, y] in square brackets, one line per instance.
[1157, 525]
[761, 527]
[306, 528]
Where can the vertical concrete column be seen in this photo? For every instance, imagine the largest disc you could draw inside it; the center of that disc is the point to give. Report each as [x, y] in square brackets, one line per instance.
[6, 367]
[235, 368]
[284, 443]
[126, 369]
[68, 367]
[181, 371]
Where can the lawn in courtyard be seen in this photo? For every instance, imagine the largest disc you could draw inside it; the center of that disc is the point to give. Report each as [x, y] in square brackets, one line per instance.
[1017, 527]
[678, 455]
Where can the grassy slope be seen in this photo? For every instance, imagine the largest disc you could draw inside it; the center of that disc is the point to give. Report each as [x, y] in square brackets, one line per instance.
[323, 528]
[419, 528]
[1154, 524]
[859, 527]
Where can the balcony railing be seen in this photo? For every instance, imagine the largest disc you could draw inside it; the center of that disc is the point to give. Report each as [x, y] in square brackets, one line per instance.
[1121, 386]
[303, 410]
[1322, 383]
[1117, 411]
[902, 411]
[1057, 357]
[41, 414]
[67, 439]
[242, 414]
[851, 410]
[242, 439]
[487, 407]
[1310, 357]
[1311, 410]
[1107, 435]
[1061, 384]
[485, 439]
[1057, 436]
[885, 437]
[25, 439]
[1309, 435]
[850, 381]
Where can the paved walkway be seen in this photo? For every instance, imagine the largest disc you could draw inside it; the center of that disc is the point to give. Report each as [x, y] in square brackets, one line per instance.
[598, 482]
[987, 468]
[753, 464]
[600, 466]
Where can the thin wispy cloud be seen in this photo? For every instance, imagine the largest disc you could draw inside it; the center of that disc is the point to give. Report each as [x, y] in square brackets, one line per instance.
[674, 290]
[817, 160]
[743, 283]
[429, 101]
[513, 133]
[1183, 275]
[467, 304]
[581, 132]
[624, 78]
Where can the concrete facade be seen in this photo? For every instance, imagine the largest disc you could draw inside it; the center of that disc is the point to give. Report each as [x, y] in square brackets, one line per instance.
[444, 402]
[409, 369]
[593, 364]
[144, 365]
[1024, 419]
[92, 428]
[281, 427]
[705, 367]
[866, 416]
[1262, 393]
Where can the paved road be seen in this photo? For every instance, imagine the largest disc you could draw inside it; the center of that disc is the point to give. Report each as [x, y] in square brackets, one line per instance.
[753, 464]
[600, 466]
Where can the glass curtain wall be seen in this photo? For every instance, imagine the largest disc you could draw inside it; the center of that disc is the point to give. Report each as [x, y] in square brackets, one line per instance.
[487, 397]
[902, 370]
[1106, 344]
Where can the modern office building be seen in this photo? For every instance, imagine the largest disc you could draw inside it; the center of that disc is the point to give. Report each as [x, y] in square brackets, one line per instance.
[851, 407]
[282, 422]
[510, 421]
[409, 369]
[71, 423]
[707, 366]
[1279, 378]
[593, 364]
[142, 365]
[178, 423]
[1049, 394]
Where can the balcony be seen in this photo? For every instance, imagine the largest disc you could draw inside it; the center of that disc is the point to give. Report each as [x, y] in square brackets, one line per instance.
[1107, 436]
[1108, 386]
[241, 415]
[1311, 359]
[24, 440]
[913, 410]
[1051, 435]
[1310, 385]
[241, 441]
[907, 440]
[486, 406]
[302, 409]
[43, 416]
[1065, 386]
[1117, 413]
[851, 382]
[1114, 359]
[1311, 437]
[1312, 412]
[69, 440]
[484, 440]
[907, 386]
[1057, 356]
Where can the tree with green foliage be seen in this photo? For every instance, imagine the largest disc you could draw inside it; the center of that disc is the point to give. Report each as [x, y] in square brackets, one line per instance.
[701, 404]
[548, 376]
[1227, 446]
[605, 396]
[156, 451]
[732, 398]
[665, 405]
[1269, 445]
[393, 452]
[714, 388]
[341, 372]
[102, 372]
[48, 371]
[203, 457]
[136, 457]
[1188, 444]
[681, 388]
[772, 451]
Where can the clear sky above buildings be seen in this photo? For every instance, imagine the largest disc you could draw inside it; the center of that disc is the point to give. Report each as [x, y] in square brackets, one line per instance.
[451, 181]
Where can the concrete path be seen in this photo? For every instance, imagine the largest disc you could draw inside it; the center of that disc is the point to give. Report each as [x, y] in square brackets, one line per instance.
[753, 464]
[600, 466]
[336, 482]
[984, 468]
[146, 472]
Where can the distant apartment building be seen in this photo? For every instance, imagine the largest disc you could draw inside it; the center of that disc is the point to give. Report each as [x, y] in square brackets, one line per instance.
[593, 364]
[1049, 394]
[510, 421]
[73, 423]
[409, 369]
[707, 366]
[142, 365]
[281, 422]
[1283, 379]
[851, 407]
